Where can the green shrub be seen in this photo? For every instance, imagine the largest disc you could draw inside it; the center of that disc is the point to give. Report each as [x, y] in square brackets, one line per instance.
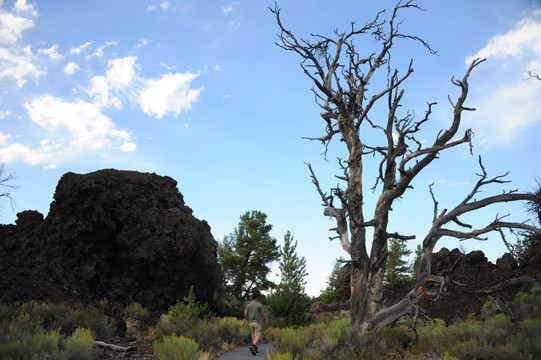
[397, 337]
[230, 330]
[80, 345]
[289, 309]
[176, 348]
[281, 356]
[489, 309]
[291, 340]
[163, 327]
[529, 339]
[526, 305]
[337, 333]
[135, 312]
[22, 338]
[67, 319]
[203, 333]
[189, 309]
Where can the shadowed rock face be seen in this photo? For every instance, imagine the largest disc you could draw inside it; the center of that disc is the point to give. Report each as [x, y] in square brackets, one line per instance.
[473, 271]
[122, 236]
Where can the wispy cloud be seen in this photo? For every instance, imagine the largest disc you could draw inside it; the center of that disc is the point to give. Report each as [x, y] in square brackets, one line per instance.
[164, 5]
[80, 48]
[507, 104]
[99, 51]
[522, 41]
[52, 52]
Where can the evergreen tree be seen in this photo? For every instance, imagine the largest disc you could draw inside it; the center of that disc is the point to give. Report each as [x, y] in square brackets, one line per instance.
[337, 290]
[397, 269]
[416, 263]
[289, 304]
[246, 255]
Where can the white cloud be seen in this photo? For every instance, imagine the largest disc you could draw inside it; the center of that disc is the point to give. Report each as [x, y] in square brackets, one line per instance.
[4, 139]
[12, 26]
[71, 127]
[228, 8]
[170, 93]
[120, 75]
[21, 7]
[505, 113]
[80, 48]
[141, 43]
[71, 68]
[18, 64]
[80, 122]
[99, 88]
[99, 51]
[52, 52]
[519, 42]
[128, 147]
[507, 104]
[164, 5]
[121, 72]
[4, 114]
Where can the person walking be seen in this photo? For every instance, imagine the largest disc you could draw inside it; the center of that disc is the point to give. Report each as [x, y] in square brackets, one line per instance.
[255, 314]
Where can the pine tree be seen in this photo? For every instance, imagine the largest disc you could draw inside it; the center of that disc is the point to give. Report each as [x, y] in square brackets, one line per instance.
[337, 290]
[246, 255]
[397, 269]
[289, 304]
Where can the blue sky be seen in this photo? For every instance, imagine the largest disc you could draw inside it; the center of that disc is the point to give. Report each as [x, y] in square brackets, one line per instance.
[198, 91]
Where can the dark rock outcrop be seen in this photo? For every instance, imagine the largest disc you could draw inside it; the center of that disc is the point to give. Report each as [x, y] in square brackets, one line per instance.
[470, 272]
[120, 236]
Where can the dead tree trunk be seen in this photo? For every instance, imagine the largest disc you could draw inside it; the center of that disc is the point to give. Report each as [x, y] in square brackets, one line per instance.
[341, 78]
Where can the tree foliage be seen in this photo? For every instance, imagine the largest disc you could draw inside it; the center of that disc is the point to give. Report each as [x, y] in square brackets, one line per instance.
[399, 270]
[337, 290]
[246, 255]
[289, 303]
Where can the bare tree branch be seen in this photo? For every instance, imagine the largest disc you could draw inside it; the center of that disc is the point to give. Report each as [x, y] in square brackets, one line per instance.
[6, 179]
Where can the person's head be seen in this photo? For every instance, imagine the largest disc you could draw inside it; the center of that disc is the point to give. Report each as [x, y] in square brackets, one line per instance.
[255, 295]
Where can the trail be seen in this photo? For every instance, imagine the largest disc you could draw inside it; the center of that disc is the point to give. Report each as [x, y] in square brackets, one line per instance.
[244, 353]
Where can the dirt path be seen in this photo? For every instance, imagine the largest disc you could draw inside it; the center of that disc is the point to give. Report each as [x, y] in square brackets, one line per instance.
[244, 353]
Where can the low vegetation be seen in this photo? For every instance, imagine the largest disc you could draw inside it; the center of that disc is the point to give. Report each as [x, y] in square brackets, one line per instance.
[512, 330]
[35, 330]
[502, 331]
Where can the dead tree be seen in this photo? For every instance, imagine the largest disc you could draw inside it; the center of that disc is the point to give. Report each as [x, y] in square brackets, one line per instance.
[6, 186]
[346, 90]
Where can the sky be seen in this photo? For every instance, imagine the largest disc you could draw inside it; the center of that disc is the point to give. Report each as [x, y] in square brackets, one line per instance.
[199, 91]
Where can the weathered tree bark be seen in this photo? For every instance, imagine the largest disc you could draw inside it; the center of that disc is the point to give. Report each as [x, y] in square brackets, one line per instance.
[341, 78]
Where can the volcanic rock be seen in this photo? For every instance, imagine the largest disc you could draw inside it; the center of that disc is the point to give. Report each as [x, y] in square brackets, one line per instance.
[467, 273]
[119, 236]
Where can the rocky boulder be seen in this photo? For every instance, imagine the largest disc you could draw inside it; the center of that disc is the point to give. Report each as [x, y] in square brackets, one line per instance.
[120, 236]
